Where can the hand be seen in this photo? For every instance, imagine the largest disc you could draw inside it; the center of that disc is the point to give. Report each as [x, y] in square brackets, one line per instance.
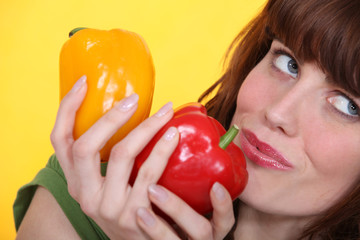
[110, 201]
[190, 222]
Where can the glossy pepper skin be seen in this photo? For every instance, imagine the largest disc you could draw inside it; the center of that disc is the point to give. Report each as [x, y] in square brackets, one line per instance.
[117, 63]
[198, 161]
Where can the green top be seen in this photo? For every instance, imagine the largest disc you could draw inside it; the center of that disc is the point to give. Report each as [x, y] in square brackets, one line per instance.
[52, 178]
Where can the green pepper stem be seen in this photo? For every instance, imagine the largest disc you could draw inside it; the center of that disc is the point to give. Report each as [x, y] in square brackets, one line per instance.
[75, 30]
[227, 138]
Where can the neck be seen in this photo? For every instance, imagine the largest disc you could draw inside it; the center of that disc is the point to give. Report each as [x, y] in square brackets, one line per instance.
[253, 224]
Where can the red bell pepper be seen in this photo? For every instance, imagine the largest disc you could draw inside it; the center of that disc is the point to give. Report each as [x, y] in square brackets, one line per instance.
[198, 161]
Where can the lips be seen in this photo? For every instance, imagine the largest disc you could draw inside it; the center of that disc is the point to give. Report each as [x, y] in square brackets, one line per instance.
[261, 153]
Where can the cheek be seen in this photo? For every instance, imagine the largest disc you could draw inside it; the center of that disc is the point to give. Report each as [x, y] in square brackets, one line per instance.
[255, 93]
[334, 161]
[337, 157]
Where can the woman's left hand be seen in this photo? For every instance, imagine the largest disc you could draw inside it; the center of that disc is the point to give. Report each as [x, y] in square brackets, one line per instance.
[192, 224]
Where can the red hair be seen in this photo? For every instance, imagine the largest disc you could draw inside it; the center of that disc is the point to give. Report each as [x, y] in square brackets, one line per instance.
[326, 32]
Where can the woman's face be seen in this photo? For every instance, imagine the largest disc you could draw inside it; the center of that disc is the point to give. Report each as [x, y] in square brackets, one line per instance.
[300, 135]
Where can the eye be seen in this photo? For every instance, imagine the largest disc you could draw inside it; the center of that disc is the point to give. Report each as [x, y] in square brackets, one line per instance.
[287, 65]
[344, 105]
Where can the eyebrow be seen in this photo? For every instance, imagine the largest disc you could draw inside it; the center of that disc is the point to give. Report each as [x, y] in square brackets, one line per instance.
[278, 39]
[288, 51]
[354, 94]
[330, 80]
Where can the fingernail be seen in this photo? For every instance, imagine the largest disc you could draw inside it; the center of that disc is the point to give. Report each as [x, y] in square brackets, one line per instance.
[170, 133]
[128, 102]
[79, 83]
[157, 192]
[146, 216]
[164, 109]
[219, 191]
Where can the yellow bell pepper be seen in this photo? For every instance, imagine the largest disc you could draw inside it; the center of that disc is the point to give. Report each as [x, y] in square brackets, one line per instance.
[117, 63]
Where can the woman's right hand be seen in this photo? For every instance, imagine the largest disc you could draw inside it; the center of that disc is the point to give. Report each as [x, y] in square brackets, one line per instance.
[110, 201]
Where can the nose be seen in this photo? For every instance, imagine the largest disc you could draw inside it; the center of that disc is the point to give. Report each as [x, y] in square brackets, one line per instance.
[283, 113]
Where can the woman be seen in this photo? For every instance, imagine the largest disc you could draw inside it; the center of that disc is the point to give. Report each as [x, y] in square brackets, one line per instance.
[293, 87]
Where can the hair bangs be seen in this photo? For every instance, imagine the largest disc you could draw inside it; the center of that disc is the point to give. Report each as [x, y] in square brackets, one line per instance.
[323, 32]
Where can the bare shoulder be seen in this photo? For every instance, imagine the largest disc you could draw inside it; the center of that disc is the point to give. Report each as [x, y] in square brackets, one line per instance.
[45, 219]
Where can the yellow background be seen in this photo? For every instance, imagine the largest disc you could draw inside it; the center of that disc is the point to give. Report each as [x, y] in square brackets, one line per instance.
[187, 40]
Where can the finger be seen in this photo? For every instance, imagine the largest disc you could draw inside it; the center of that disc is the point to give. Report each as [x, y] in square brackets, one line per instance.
[104, 128]
[62, 133]
[195, 225]
[123, 155]
[85, 150]
[152, 169]
[153, 226]
[223, 216]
